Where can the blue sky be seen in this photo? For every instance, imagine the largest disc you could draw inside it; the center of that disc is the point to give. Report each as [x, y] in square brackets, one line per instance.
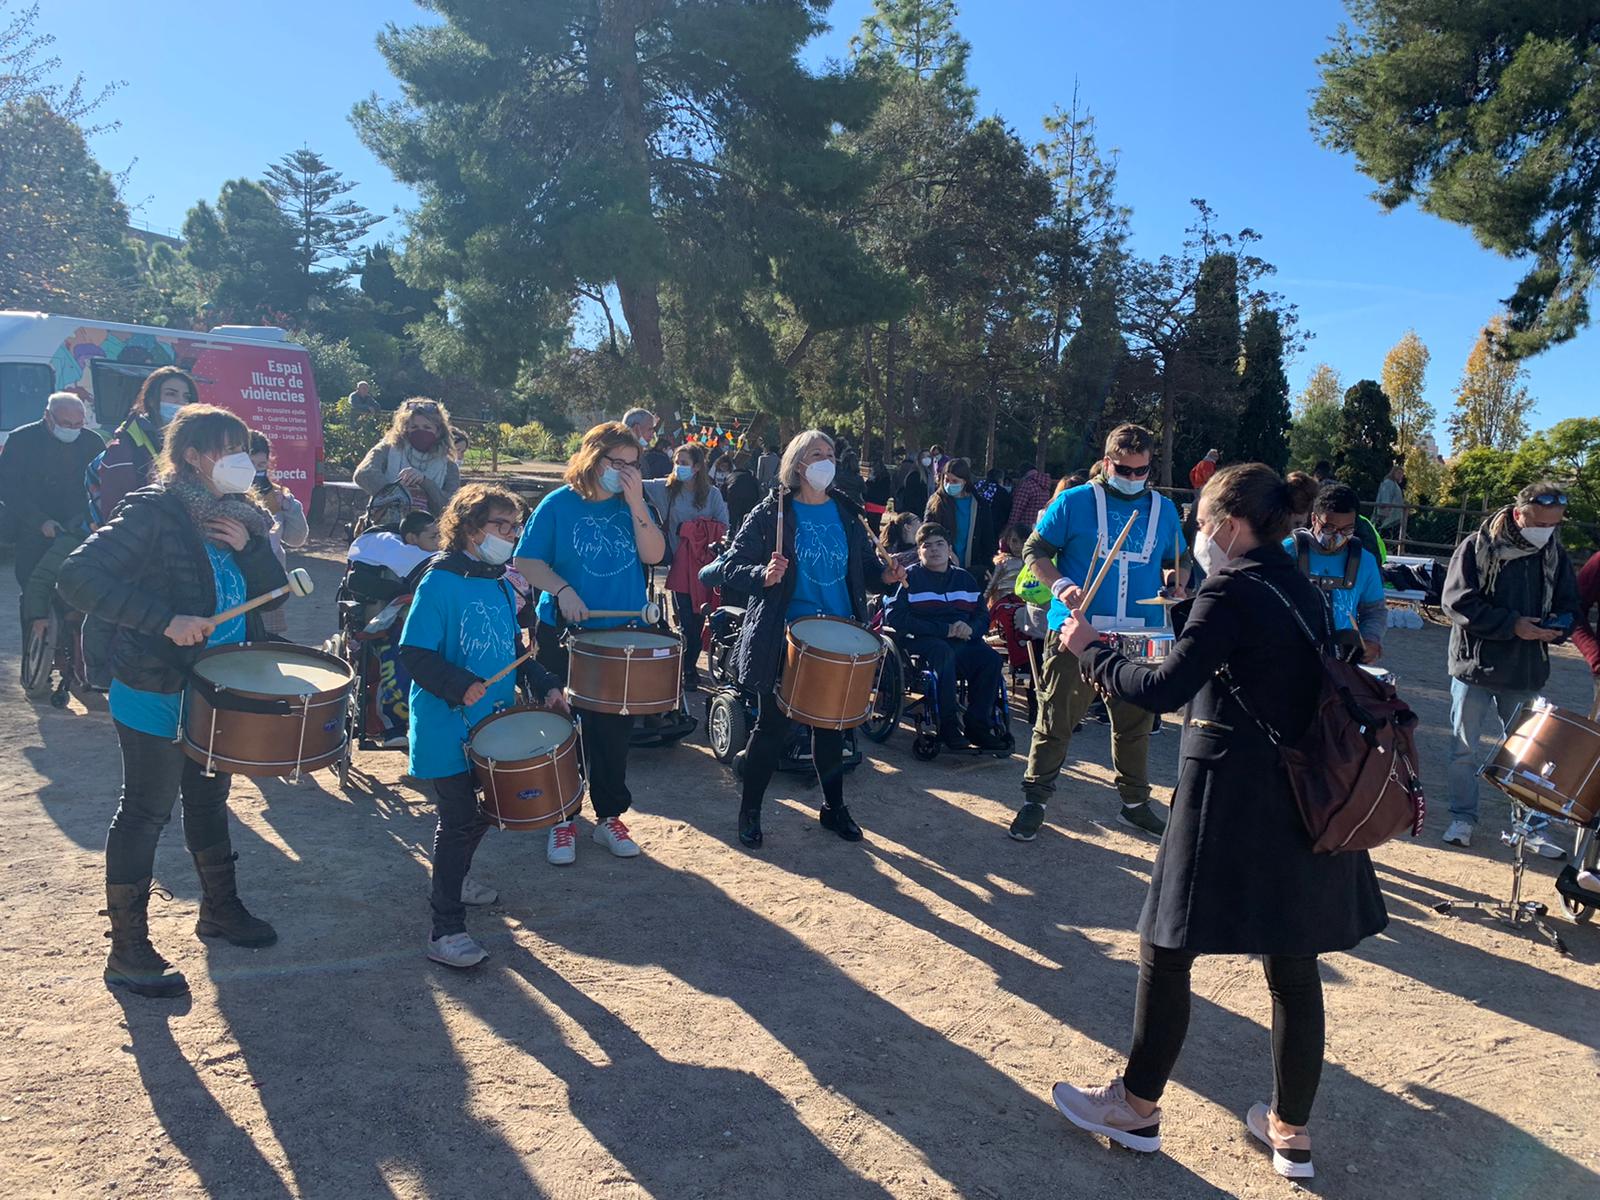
[1199, 99]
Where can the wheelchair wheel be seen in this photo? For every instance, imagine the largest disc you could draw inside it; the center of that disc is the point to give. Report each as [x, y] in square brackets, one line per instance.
[727, 725]
[888, 697]
[39, 660]
[925, 747]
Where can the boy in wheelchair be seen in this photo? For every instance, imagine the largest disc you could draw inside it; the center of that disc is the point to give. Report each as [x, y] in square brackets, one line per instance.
[938, 616]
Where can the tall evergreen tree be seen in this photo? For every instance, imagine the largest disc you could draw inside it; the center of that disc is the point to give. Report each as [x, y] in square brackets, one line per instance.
[919, 37]
[1208, 410]
[1318, 414]
[1263, 434]
[624, 147]
[1366, 438]
[1492, 400]
[245, 255]
[311, 196]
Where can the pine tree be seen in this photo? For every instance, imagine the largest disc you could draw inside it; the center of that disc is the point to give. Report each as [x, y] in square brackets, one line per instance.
[1365, 444]
[310, 195]
[919, 36]
[1492, 401]
[245, 254]
[1264, 389]
[1318, 414]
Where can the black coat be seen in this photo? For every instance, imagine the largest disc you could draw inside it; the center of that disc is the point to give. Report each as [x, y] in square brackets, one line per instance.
[1235, 873]
[760, 651]
[147, 565]
[741, 492]
[41, 479]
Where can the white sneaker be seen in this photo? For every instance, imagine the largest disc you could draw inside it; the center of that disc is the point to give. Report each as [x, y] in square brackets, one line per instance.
[563, 846]
[473, 892]
[614, 836]
[456, 950]
[1543, 846]
[1459, 833]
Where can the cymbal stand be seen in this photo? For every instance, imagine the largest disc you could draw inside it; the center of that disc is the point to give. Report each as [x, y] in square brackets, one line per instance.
[1515, 912]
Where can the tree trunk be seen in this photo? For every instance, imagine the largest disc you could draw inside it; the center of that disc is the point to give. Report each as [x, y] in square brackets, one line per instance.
[1169, 419]
[993, 416]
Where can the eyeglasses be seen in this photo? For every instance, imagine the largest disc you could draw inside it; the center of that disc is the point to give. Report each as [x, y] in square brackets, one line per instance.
[619, 463]
[1550, 500]
[504, 526]
[1128, 472]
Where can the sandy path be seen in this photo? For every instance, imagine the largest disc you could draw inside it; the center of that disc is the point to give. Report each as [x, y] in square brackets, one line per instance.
[819, 1021]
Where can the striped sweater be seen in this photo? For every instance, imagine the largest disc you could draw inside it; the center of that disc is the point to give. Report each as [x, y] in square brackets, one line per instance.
[927, 604]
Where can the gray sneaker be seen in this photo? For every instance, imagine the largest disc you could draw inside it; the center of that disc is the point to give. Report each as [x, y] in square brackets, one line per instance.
[1106, 1111]
[1025, 825]
[1144, 818]
[456, 950]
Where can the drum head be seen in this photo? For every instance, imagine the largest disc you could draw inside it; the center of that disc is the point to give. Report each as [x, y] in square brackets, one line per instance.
[834, 636]
[511, 736]
[273, 671]
[616, 639]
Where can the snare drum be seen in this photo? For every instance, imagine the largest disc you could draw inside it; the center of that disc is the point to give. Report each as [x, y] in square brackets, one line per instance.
[1550, 761]
[829, 670]
[628, 672]
[1149, 647]
[266, 708]
[526, 761]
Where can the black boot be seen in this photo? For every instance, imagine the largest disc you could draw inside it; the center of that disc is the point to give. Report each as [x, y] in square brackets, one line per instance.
[222, 913]
[750, 827]
[951, 735]
[837, 818]
[133, 962]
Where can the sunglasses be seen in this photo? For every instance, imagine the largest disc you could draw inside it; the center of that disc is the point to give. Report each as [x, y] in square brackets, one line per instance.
[1550, 500]
[1128, 472]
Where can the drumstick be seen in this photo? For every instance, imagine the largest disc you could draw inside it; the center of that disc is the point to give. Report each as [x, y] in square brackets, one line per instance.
[779, 546]
[504, 671]
[299, 585]
[1111, 558]
[649, 614]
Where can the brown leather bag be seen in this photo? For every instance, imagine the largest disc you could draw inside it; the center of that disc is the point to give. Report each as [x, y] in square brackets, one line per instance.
[1354, 770]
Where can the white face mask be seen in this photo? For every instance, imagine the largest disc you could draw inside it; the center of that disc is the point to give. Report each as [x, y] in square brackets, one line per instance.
[1539, 535]
[233, 473]
[495, 549]
[1211, 557]
[820, 474]
[926, 461]
[63, 434]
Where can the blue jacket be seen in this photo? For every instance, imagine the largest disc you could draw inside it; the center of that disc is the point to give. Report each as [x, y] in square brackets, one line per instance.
[928, 603]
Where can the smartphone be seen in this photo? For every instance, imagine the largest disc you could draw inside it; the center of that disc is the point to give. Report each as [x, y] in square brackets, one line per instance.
[1561, 621]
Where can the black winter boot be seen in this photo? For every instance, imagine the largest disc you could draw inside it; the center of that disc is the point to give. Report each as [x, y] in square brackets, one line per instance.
[133, 962]
[222, 913]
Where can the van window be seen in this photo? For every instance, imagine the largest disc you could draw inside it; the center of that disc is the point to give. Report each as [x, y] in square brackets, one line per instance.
[24, 387]
[115, 387]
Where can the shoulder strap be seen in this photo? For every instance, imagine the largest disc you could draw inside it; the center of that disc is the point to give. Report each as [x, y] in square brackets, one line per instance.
[1320, 645]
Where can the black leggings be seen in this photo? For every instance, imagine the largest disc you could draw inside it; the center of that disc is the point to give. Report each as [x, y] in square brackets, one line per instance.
[1161, 1020]
[767, 741]
[605, 737]
[692, 622]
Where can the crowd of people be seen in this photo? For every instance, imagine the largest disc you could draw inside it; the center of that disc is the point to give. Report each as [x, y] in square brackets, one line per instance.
[1096, 588]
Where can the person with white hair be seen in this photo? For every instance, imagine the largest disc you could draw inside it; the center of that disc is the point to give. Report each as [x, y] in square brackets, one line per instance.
[41, 478]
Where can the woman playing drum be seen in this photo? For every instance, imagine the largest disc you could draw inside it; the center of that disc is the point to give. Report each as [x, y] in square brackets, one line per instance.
[191, 544]
[585, 548]
[461, 631]
[826, 565]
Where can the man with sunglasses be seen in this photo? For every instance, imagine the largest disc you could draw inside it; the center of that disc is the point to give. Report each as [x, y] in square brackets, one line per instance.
[1509, 594]
[1074, 532]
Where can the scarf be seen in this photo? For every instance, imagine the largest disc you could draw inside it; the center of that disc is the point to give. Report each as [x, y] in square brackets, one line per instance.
[1500, 541]
[203, 507]
[431, 466]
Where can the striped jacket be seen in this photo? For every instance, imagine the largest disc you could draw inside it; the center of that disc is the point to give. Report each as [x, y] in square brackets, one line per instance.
[927, 604]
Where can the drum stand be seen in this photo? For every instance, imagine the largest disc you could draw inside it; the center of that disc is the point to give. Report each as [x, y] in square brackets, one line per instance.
[1515, 912]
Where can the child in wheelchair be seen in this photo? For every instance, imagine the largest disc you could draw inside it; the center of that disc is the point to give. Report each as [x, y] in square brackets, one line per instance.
[938, 617]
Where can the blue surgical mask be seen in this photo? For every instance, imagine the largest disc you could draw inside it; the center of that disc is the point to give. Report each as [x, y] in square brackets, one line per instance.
[953, 489]
[1128, 487]
[683, 472]
[168, 411]
[611, 480]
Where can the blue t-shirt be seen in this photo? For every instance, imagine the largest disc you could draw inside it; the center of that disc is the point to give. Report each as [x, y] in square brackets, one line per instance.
[822, 563]
[1346, 602]
[157, 712]
[1071, 522]
[590, 544]
[963, 527]
[473, 624]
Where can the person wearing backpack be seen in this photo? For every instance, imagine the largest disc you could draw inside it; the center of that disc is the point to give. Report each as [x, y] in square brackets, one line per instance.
[1510, 592]
[1236, 872]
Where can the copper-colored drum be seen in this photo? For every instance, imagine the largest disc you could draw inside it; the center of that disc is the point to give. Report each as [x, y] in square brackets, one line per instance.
[628, 672]
[829, 671]
[1550, 761]
[526, 761]
[266, 708]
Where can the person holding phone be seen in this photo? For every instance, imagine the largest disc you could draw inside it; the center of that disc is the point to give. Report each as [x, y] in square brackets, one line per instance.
[1510, 594]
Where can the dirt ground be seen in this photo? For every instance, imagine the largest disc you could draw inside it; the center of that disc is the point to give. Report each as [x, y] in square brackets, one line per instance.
[820, 1020]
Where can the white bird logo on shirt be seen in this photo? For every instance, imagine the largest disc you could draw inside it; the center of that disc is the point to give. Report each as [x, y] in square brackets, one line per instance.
[484, 639]
[605, 543]
[822, 552]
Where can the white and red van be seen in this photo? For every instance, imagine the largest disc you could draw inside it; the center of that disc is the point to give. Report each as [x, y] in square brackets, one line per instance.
[253, 370]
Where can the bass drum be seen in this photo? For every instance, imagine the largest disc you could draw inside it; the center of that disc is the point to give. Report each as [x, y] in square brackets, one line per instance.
[267, 708]
[1550, 761]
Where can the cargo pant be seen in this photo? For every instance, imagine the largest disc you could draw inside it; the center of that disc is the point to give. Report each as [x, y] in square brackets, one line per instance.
[1064, 696]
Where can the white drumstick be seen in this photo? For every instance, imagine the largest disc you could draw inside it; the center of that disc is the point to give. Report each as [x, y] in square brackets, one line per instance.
[299, 585]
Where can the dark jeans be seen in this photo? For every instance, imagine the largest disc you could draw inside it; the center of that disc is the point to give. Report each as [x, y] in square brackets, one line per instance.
[461, 827]
[971, 660]
[155, 772]
[1161, 1020]
[767, 740]
[692, 623]
[605, 737]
